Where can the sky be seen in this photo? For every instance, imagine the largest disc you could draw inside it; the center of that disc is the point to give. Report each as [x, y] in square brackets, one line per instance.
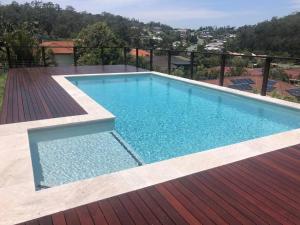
[188, 13]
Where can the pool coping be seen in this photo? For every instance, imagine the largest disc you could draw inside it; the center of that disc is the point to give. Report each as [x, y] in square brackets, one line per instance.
[20, 201]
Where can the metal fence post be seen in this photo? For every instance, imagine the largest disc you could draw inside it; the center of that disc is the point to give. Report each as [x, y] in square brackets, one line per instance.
[125, 55]
[222, 71]
[44, 56]
[266, 73]
[136, 57]
[75, 55]
[8, 57]
[192, 64]
[102, 55]
[151, 59]
[169, 62]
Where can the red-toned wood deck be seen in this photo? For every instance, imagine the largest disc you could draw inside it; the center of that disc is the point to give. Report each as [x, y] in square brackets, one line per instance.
[32, 94]
[260, 190]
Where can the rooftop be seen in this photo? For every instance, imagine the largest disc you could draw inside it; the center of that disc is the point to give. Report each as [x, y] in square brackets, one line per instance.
[141, 53]
[59, 47]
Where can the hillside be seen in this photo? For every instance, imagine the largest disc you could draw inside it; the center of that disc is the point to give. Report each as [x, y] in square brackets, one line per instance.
[50, 21]
[277, 36]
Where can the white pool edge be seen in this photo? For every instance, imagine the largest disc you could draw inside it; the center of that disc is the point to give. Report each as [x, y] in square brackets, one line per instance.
[19, 201]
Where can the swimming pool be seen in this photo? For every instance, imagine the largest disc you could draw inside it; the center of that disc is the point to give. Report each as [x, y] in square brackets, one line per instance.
[156, 118]
[162, 118]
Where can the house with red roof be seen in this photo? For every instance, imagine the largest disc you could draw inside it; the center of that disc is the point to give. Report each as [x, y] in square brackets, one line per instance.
[62, 51]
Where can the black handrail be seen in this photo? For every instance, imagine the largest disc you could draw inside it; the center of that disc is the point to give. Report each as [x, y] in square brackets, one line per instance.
[223, 58]
[166, 50]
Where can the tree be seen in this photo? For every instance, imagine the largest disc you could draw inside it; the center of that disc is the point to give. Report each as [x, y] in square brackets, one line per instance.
[22, 43]
[276, 36]
[96, 37]
[278, 74]
[238, 66]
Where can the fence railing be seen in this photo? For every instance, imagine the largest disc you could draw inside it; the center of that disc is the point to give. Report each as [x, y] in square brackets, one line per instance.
[40, 58]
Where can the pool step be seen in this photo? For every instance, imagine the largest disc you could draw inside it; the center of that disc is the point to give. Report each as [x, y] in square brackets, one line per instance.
[130, 152]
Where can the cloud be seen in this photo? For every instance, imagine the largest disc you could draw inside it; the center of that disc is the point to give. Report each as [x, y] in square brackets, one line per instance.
[295, 4]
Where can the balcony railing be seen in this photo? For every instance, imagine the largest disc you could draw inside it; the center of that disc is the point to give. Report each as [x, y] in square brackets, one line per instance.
[38, 57]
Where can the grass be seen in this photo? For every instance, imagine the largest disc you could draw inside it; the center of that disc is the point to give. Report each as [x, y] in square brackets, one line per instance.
[2, 85]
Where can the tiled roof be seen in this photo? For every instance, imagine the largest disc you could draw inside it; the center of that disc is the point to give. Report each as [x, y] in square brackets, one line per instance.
[140, 51]
[293, 73]
[59, 47]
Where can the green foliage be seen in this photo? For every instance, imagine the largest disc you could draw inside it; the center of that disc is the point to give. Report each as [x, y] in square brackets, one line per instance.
[144, 63]
[236, 71]
[97, 36]
[178, 72]
[255, 91]
[278, 74]
[238, 65]
[276, 94]
[207, 61]
[203, 73]
[2, 86]
[277, 36]
[239, 62]
[54, 22]
[49, 56]
[22, 35]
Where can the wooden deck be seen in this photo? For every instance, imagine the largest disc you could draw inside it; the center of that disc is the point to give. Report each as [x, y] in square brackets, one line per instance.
[260, 190]
[31, 93]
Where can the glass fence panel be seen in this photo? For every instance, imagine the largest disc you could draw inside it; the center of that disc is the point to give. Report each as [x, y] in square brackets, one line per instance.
[160, 61]
[284, 80]
[181, 64]
[244, 73]
[207, 68]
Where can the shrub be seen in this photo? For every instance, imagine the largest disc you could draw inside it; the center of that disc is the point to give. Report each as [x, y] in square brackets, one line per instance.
[276, 94]
[278, 74]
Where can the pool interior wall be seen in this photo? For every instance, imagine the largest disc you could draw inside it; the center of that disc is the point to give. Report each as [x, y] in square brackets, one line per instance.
[68, 153]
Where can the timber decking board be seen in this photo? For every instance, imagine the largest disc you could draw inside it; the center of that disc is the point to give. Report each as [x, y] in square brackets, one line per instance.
[261, 190]
[32, 94]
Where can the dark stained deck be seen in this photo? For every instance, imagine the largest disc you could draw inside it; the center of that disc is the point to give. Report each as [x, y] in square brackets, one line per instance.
[260, 190]
[31, 93]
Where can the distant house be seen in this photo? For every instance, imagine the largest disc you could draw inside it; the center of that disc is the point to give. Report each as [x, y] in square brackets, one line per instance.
[62, 51]
[183, 33]
[215, 46]
[161, 62]
[157, 29]
[192, 48]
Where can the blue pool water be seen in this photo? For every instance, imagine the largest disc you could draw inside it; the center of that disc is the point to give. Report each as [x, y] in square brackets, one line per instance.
[162, 118]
